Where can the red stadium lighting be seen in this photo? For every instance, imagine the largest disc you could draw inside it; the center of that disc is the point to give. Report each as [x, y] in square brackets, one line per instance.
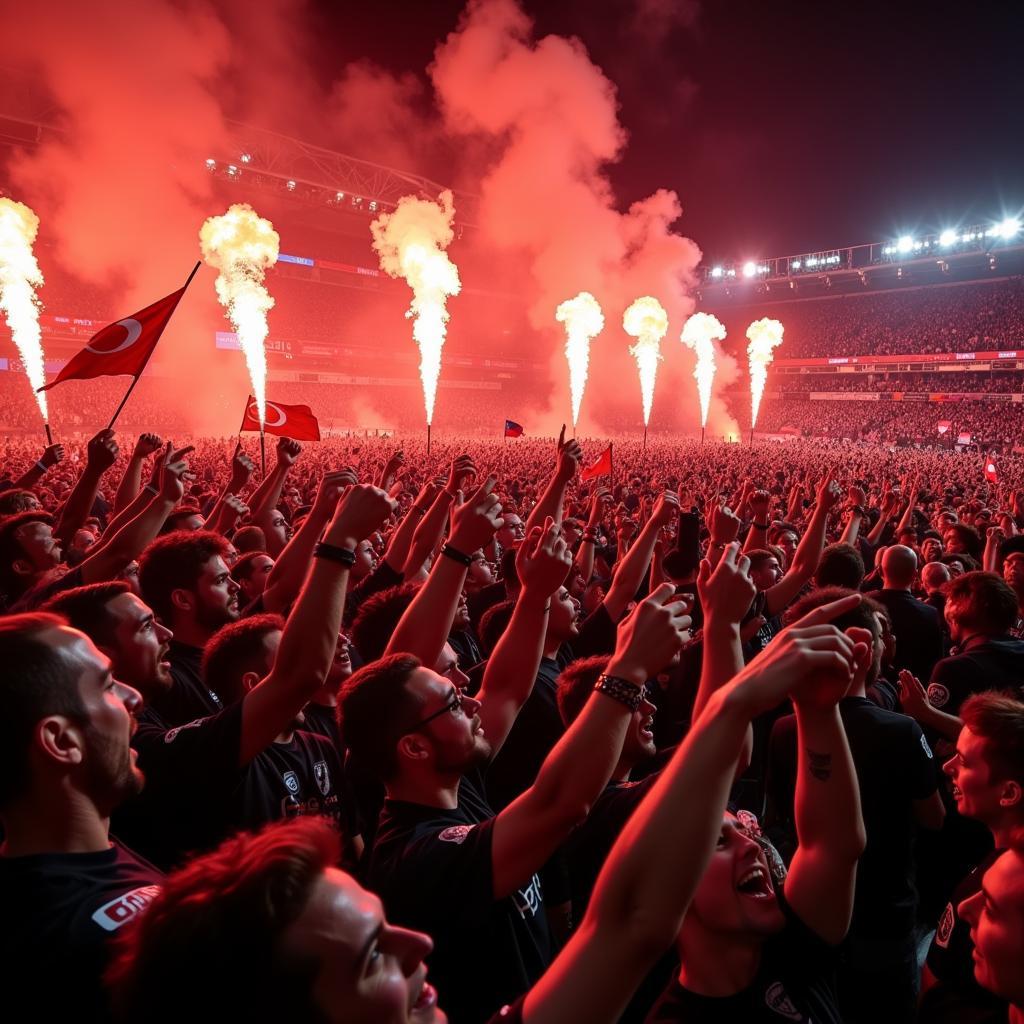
[749, 268]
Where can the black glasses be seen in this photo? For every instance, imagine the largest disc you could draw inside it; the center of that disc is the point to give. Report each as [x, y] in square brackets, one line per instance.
[455, 704]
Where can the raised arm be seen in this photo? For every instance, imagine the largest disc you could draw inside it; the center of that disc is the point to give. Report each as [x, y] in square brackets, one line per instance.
[630, 571]
[552, 501]
[131, 480]
[759, 503]
[52, 454]
[400, 543]
[808, 553]
[430, 529]
[532, 827]
[311, 632]
[242, 468]
[101, 455]
[599, 504]
[390, 471]
[907, 519]
[888, 508]
[427, 621]
[266, 497]
[541, 564]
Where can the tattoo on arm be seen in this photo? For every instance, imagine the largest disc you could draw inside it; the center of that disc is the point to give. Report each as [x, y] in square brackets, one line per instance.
[819, 765]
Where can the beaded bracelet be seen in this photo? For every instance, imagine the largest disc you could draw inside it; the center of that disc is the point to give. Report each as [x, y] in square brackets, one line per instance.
[621, 690]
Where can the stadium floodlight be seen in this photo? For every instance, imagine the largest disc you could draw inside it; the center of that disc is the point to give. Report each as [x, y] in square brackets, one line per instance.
[749, 268]
[716, 271]
[948, 237]
[1008, 228]
[211, 163]
[290, 185]
[796, 264]
[905, 243]
[246, 158]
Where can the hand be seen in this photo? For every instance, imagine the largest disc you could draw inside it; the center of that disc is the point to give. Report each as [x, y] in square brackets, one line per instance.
[666, 509]
[913, 696]
[759, 502]
[461, 475]
[428, 492]
[330, 489]
[543, 561]
[173, 473]
[477, 519]
[855, 496]
[829, 493]
[102, 451]
[288, 451]
[237, 507]
[751, 628]
[890, 500]
[599, 505]
[394, 464]
[650, 636]
[995, 536]
[242, 468]
[627, 530]
[52, 454]
[361, 511]
[570, 455]
[726, 593]
[725, 527]
[146, 445]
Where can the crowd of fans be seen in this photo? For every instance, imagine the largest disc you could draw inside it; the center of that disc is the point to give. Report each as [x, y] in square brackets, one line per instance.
[944, 383]
[732, 732]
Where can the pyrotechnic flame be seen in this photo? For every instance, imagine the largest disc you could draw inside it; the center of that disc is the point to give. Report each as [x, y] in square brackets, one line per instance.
[241, 245]
[700, 333]
[583, 321]
[647, 321]
[411, 243]
[765, 335]
[19, 278]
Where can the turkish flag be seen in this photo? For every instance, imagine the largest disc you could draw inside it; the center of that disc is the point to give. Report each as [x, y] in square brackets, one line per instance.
[990, 470]
[294, 421]
[603, 466]
[122, 347]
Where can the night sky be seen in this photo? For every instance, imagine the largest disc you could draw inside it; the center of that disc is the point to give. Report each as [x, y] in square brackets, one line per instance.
[783, 127]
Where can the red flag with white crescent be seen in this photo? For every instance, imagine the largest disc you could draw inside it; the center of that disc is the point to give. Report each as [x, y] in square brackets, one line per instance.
[603, 466]
[991, 473]
[123, 347]
[294, 421]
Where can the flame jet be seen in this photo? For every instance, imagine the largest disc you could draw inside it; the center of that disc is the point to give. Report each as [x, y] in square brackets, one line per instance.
[647, 321]
[411, 243]
[241, 245]
[19, 277]
[583, 321]
[700, 333]
[764, 335]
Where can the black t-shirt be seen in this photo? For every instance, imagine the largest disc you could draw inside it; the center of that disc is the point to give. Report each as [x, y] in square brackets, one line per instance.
[917, 628]
[433, 868]
[981, 664]
[323, 720]
[58, 913]
[793, 983]
[189, 697]
[956, 997]
[895, 767]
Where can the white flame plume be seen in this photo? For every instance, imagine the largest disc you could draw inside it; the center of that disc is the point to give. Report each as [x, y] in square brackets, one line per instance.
[583, 321]
[242, 245]
[411, 243]
[19, 278]
[765, 336]
[647, 321]
[700, 333]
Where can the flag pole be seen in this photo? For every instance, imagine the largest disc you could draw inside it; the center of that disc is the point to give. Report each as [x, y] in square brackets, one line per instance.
[702, 429]
[428, 437]
[49, 435]
[645, 437]
[263, 452]
[135, 380]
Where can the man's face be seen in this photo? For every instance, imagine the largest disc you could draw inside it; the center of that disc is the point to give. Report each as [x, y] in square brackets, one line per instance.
[639, 743]
[953, 543]
[1013, 573]
[139, 655]
[736, 892]
[788, 541]
[231, 555]
[341, 666]
[195, 521]
[260, 569]
[83, 540]
[931, 549]
[368, 971]
[278, 530]
[455, 735]
[767, 574]
[976, 794]
[512, 530]
[216, 595]
[109, 774]
[996, 917]
[366, 560]
[461, 620]
[131, 577]
[885, 646]
[40, 551]
[562, 619]
[481, 572]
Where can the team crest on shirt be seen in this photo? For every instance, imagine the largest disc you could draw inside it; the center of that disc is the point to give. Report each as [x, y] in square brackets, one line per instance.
[455, 833]
[291, 782]
[322, 776]
[778, 1002]
[945, 927]
[121, 910]
[938, 695]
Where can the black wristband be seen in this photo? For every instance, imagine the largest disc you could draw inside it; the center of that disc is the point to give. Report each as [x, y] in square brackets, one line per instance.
[621, 690]
[456, 555]
[343, 556]
[760, 526]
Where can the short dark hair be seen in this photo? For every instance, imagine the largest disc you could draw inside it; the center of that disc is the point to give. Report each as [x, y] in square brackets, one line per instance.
[249, 538]
[993, 604]
[998, 719]
[493, 624]
[175, 516]
[576, 683]
[14, 501]
[36, 681]
[13, 583]
[235, 649]
[968, 536]
[840, 565]
[759, 556]
[243, 568]
[862, 616]
[377, 618]
[86, 609]
[1011, 546]
[213, 934]
[376, 709]
[175, 562]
